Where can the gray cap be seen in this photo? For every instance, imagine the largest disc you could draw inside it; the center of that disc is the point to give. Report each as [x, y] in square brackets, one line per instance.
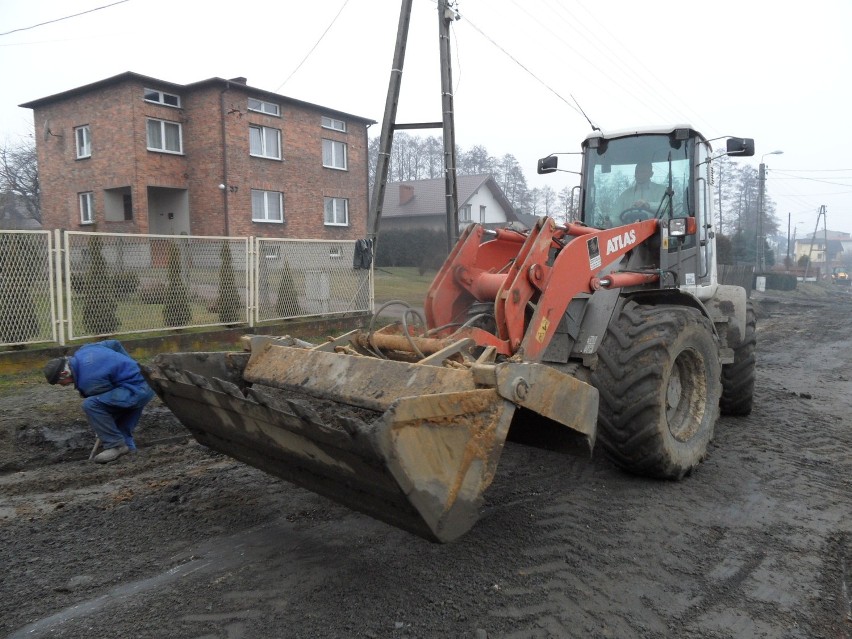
[53, 368]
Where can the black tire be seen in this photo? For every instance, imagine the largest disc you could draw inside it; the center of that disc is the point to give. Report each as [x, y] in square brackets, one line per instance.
[738, 378]
[659, 379]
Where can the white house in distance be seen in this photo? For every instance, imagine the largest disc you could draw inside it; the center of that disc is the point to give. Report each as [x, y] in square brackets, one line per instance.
[421, 204]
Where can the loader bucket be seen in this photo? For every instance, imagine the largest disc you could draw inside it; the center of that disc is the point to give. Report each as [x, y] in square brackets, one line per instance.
[414, 446]
[411, 444]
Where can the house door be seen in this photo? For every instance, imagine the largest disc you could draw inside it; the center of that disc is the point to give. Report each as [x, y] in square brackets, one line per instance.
[168, 211]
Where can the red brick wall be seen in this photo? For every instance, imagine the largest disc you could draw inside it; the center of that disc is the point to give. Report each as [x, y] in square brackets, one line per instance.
[117, 117]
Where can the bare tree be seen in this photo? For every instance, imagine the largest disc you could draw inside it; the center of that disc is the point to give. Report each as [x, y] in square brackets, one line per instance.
[19, 173]
[567, 205]
[477, 161]
[548, 200]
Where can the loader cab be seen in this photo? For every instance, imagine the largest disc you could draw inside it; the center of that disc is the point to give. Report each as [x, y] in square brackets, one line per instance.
[655, 173]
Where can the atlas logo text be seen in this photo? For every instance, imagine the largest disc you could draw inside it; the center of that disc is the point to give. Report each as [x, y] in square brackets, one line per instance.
[620, 242]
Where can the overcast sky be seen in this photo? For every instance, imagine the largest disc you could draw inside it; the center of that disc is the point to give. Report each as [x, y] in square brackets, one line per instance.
[777, 73]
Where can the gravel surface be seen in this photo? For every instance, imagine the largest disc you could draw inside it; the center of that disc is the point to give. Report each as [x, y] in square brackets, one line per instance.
[179, 541]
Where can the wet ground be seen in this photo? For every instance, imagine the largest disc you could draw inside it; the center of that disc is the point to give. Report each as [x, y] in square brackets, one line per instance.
[178, 541]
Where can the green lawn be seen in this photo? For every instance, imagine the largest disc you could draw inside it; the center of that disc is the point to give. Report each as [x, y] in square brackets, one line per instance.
[402, 283]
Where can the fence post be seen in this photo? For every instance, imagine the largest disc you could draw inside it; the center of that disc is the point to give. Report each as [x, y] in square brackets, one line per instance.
[59, 290]
[251, 293]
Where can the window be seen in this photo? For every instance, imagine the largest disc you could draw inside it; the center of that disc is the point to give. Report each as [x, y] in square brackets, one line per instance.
[335, 252]
[464, 213]
[262, 106]
[482, 213]
[331, 123]
[267, 206]
[336, 211]
[333, 154]
[265, 142]
[87, 208]
[164, 136]
[160, 97]
[84, 141]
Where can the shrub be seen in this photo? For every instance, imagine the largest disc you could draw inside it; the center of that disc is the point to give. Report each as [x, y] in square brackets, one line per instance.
[287, 302]
[176, 309]
[228, 300]
[99, 298]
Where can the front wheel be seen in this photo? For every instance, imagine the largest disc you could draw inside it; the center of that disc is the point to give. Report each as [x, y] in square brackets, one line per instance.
[658, 376]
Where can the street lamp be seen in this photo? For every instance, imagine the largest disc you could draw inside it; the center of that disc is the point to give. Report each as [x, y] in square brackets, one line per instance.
[760, 254]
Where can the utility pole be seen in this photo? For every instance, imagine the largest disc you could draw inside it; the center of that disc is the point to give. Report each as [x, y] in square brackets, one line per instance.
[389, 124]
[787, 263]
[759, 256]
[445, 16]
[821, 214]
[760, 248]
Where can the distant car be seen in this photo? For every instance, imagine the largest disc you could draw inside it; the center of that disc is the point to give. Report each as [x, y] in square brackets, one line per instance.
[840, 275]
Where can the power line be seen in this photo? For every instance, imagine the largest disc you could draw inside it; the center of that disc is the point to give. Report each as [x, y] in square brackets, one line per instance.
[41, 24]
[516, 61]
[308, 55]
[809, 179]
[819, 170]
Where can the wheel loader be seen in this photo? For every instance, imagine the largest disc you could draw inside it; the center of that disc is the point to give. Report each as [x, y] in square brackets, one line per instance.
[619, 335]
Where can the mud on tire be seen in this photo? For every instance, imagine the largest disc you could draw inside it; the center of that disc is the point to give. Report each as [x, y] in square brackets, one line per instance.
[738, 378]
[659, 379]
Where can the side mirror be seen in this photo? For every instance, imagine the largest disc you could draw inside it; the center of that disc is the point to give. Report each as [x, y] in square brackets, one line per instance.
[548, 164]
[743, 147]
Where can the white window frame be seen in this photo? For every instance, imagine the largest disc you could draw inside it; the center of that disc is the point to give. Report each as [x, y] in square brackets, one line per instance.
[156, 96]
[336, 152]
[87, 207]
[464, 213]
[163, 137]
[83, 139]
[264, 214]
[264, 152]
[333, 124]
[262, 106]
[335, 252]
[331, 211]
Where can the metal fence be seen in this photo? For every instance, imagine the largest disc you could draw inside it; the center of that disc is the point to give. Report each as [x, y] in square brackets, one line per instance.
[77, 285]
[297, 278]
[28, 313]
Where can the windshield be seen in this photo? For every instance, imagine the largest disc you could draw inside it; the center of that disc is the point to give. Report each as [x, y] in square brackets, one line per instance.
[628, 179]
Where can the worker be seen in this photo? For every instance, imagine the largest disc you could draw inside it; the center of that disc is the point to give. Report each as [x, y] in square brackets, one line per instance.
[114, 390]
[644, 194]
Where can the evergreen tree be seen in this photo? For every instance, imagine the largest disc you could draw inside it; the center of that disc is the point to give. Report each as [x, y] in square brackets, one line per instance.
[287, 303]
[228, 301]
[99, 299]
[176, 309]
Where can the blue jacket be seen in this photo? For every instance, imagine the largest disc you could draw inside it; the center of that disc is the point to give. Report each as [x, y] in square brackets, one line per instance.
[105, 369]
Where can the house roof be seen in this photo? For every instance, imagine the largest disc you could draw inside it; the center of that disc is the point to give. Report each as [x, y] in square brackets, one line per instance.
[830, 235]
[428, 197]
[130, 76]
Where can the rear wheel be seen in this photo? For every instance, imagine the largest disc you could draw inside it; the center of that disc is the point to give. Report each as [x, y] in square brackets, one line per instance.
[658, 376]
[738, 378]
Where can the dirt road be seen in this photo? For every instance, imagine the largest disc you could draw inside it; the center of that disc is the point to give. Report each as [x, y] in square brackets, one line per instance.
[182, 542]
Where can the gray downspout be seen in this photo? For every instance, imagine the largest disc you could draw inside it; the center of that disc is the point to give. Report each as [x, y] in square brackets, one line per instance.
[225, 156]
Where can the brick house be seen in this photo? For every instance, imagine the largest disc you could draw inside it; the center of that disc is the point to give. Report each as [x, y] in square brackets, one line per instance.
[422, 204]
[135, 154]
